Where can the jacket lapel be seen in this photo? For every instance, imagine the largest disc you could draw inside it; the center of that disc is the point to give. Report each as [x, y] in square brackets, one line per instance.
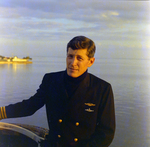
[77, 98]
[81, 91]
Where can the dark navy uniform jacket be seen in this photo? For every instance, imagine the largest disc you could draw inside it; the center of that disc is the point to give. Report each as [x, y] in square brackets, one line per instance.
[87, 119]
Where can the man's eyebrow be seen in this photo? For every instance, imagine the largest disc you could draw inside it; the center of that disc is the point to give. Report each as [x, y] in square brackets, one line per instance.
[70, 54]
[75, 55]
[79, 56]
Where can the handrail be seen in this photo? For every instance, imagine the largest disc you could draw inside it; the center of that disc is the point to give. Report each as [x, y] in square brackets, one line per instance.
[21, 130]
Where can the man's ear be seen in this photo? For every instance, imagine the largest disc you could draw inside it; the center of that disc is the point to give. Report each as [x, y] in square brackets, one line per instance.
[91, 61]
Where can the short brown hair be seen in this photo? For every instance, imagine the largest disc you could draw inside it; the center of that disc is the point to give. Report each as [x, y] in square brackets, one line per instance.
[82, 42]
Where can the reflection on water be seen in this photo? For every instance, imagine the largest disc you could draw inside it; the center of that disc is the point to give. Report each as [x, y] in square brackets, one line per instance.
[130, 81]
[15, 66]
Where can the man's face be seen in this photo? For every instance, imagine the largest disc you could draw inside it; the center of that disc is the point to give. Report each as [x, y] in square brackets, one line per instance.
[78, 62]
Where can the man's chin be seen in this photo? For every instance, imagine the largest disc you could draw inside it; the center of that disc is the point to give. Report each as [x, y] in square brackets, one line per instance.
[72, 74]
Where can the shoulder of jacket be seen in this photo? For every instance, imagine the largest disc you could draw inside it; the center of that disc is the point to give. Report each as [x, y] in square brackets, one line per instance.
[52, 78]
[98, 81]
[54, 73]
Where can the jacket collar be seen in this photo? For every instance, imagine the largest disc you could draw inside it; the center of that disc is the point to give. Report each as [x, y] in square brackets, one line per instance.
[81, 90]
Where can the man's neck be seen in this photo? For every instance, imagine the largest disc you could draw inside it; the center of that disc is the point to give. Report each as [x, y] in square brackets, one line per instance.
[75, 80]
[71, 84]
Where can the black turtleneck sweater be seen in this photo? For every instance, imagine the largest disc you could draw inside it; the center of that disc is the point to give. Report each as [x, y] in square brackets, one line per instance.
[71, 84]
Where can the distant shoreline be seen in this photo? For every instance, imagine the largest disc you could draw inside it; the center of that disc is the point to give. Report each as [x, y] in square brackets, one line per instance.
[15, 59]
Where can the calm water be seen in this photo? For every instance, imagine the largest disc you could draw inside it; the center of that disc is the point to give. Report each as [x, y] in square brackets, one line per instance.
[129, 78]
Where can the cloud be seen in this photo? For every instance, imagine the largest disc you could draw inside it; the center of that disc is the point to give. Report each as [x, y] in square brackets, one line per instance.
[109, 14]
[65, 8]
[51, 21]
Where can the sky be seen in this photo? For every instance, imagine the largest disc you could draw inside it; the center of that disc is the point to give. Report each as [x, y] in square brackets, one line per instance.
[120, 29]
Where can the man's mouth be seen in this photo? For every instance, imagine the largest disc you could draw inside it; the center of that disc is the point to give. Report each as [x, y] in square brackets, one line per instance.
[73, 69]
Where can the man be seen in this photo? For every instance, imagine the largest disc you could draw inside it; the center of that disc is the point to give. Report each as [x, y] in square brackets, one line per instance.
[79, 105]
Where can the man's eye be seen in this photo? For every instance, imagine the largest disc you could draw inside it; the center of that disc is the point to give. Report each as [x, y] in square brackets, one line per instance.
[70, 56]
[79, 58]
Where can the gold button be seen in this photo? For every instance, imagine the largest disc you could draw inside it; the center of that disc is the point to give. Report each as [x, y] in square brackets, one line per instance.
[75, 139]
[60, 120]
[59, 136]
[77, 123]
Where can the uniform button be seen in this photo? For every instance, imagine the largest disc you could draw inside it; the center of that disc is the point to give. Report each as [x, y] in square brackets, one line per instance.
[77, 123]
[60, 120]
[75, 139]
[59, 136]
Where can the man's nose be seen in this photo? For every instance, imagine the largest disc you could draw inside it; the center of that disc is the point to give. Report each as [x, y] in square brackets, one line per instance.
[74, 61]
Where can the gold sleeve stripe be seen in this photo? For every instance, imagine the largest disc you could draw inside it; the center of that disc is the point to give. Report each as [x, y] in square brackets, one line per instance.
[0, 115]
[3, 113]
[4, 110]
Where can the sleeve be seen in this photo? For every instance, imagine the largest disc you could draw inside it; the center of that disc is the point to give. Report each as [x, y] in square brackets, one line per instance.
[26, 107]
[105, 128]
[3, 113]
